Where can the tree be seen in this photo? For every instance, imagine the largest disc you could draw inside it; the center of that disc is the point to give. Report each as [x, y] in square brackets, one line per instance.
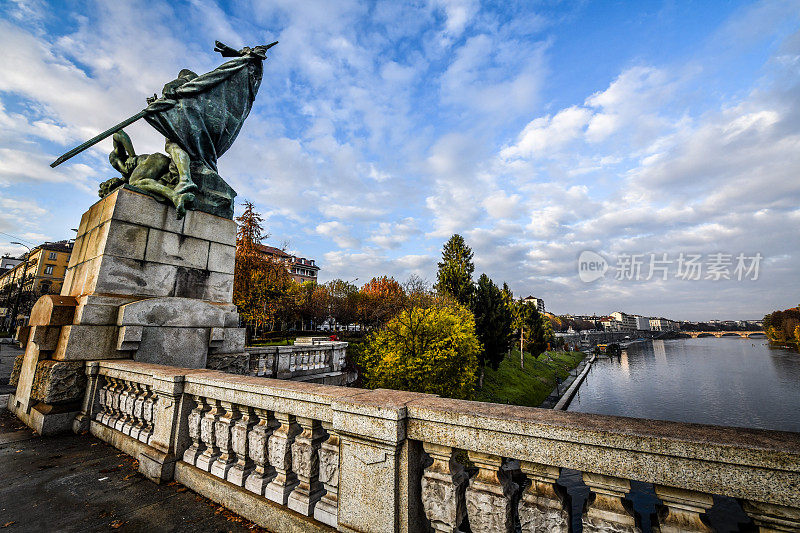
[272, 296]
[454, 277]
[493, 320]
[262, 289]
[313, 303]
[343, 301]
[430, 349]
[528, 322]
[782, 326]
[380, 299]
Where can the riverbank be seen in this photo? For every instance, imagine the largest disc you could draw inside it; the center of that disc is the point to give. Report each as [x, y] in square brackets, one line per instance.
[531, 385]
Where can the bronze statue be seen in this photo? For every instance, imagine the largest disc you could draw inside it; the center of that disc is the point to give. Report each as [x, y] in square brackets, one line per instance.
[200, 117]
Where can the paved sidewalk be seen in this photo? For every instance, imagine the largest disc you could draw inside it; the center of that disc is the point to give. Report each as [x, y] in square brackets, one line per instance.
[78, 483]
[8, 352]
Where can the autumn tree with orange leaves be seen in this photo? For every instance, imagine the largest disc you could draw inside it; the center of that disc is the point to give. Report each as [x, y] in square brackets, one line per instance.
[262, 289]
[379, 300]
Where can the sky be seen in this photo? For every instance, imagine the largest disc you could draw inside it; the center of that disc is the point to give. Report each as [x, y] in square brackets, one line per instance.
[643, 134]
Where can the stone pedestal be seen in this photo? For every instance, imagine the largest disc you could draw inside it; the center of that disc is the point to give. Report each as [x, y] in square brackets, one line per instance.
[140, 284]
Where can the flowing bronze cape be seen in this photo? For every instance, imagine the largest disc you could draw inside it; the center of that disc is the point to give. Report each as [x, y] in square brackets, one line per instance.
[208, 112]
[203, 116]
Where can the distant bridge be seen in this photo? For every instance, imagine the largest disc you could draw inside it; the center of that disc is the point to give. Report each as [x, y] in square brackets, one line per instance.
[718, 334]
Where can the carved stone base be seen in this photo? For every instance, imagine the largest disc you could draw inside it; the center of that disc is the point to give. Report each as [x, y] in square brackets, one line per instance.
[256, 483]
[326, 513]
[278, 491]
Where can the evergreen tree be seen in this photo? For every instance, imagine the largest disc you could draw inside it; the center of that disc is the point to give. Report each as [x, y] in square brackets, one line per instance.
[493, 320]
[454, 277]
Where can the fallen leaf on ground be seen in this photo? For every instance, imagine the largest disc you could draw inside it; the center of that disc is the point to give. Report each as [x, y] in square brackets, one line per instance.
[9, 523]
[116, 524]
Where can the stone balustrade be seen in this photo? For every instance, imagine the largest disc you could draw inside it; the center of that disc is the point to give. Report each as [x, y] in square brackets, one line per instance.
[310, 457]
[321, 362]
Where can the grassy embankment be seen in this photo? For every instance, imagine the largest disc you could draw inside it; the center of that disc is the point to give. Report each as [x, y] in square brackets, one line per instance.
[527, 386]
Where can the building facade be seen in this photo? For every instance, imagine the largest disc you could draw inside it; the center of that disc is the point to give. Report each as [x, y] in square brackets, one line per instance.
[300, 269]
[662, 324]
[43, 273]
[627, 322]
[538, 302]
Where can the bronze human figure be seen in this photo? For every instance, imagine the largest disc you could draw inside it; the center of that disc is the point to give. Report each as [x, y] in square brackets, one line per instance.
[200, 117]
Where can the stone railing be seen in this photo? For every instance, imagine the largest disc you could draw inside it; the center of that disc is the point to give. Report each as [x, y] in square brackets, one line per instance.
[309, 457]
[321, 362]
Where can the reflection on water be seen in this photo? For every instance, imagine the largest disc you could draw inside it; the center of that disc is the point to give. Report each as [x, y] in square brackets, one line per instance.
[726, 381]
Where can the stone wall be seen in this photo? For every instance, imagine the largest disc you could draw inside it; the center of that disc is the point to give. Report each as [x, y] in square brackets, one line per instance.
[296, 456]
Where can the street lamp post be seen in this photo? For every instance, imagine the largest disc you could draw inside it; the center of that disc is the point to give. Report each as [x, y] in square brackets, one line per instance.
[12, 323]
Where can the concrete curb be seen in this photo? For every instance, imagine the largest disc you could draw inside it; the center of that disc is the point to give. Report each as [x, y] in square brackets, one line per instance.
[563, 403]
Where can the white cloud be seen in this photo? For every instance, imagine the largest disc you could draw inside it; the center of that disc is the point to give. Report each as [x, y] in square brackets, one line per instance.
[392, 235]
[338, 232]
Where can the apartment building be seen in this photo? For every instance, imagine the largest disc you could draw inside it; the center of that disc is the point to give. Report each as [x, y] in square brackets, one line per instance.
[299, 268]
[43, 273]
[538, 302]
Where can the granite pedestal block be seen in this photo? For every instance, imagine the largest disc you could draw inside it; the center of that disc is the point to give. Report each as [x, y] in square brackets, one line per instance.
[140, 285]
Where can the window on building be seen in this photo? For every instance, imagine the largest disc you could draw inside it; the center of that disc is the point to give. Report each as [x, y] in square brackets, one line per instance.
[48, 270]
[53, 255]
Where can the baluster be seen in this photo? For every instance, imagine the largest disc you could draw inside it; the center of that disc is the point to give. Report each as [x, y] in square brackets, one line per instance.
[148, 405]
[241, 469]
[124, 418]
[280, 457]
[489, 495]
[130, 406]
[606, 509]
[542, 506]
[222, 432]
[138, 411]
[326, 510]
[305, 464]
[293, 361]
[772, 518]
[681, 510]
[114, 404]
[196, 448]
[257, 446]
[109, 402]
[444, 485]
[104, 399]
[207, 424]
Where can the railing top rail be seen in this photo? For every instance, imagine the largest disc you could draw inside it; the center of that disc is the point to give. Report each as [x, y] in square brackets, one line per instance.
[309, 400]
[738, 462]
[636, 432]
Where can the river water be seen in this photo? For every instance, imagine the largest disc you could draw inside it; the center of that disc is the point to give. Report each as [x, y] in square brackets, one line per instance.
[727, 381]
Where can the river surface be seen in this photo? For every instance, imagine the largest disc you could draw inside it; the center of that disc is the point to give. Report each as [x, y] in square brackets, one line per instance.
[727, 381]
